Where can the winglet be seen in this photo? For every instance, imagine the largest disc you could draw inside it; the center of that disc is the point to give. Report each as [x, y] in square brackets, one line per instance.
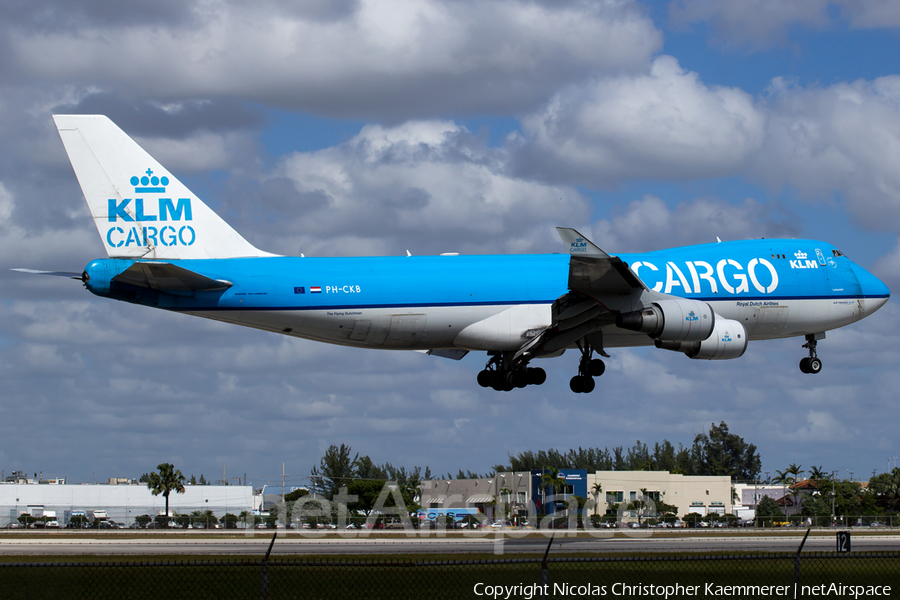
[578, 244]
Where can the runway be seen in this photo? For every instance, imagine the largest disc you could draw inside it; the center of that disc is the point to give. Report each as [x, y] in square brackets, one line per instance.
[297, 545]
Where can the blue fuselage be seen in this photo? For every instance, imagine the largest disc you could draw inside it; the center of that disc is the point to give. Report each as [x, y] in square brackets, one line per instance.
[327, 298]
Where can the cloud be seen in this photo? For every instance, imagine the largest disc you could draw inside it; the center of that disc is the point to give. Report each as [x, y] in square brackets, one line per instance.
[844, 138]
[649, 224]
[372, 57]
[750, 24]
[870, 14]
[420, 185]
[838, 143]
[665, 124]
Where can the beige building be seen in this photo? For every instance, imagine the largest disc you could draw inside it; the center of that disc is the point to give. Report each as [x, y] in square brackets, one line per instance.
[522, 493]
[690, 493]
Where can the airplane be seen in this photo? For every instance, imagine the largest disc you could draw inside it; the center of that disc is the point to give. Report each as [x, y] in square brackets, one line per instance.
[167, 249]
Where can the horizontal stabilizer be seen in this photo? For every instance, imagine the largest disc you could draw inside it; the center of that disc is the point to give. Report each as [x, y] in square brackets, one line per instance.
[55, 273]
[169, 278]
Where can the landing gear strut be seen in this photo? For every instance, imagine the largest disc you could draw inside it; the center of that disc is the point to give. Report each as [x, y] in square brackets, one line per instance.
[588, 368]
[811, 364]
[502, 376]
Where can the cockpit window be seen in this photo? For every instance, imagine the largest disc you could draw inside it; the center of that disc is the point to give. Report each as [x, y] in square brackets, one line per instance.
[837, 253]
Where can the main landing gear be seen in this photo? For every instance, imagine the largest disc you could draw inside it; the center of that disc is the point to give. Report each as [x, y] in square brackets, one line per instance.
[503, 377]
[588, 368]
[812, 364]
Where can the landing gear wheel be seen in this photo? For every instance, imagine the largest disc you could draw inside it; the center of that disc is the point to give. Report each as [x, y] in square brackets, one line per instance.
[596, 367]
[814, 366]
[582, 384]
[485, 378]
[575, 384]
[587, 385]
[517, 378]
[536, 376]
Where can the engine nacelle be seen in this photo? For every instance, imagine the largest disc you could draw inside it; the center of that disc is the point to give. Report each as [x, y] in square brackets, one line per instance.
[676, 320]
[728, 340]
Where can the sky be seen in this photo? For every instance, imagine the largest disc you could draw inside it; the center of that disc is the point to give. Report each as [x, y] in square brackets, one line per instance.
[364, 127]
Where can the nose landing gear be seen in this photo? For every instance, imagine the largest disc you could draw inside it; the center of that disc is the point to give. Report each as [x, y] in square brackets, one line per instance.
[812, 364]
[588, 368]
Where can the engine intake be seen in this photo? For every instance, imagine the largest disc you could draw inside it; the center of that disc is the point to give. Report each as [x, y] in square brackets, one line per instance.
[728, 340]
[676, 320]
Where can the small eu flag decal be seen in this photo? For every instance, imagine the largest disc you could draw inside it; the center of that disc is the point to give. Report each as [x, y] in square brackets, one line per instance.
[299, 290]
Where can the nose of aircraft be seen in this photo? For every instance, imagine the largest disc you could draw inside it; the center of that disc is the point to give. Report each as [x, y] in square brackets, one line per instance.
[874, 292]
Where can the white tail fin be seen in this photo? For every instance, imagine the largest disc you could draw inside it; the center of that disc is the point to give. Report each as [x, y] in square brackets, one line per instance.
[140, 209]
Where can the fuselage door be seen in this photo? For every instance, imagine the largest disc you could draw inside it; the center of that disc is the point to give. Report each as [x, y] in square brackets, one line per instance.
[406, 330]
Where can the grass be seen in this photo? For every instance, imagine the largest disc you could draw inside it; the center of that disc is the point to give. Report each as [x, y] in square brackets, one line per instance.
[412, 576]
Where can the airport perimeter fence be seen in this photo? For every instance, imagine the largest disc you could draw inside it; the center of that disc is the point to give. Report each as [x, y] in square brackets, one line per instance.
[861, 575]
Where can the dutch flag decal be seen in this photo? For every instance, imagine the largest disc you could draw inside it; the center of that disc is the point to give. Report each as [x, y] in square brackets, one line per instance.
[315, 289]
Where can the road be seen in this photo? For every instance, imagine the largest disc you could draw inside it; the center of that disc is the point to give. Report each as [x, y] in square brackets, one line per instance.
[289, 543]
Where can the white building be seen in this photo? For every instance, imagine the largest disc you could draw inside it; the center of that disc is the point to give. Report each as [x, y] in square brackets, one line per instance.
[122, 503]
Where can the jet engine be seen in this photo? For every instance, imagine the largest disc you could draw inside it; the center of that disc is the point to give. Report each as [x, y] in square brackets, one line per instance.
[676, 320]
[728, 340]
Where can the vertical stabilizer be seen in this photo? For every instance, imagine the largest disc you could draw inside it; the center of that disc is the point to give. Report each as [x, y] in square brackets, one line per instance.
[140, 209]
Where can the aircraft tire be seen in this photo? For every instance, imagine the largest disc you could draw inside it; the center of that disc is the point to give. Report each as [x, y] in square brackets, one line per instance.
[536, 375]
[814, 366]
[596, 367]
[804, 365]
[587, 385]
[518, 378]
[575, 384]
[485, 378]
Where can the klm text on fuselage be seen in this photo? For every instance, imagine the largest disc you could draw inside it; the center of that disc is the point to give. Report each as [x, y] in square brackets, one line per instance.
[150, 235]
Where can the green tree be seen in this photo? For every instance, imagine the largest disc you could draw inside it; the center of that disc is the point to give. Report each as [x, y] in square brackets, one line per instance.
[551, 482]
[767, 509]
[27, 520]
[887, 487]
[230, 521]
[142, 520]
[790, 475]
[165, 480]
[722, 453]
[366, 491]
[336, 469]
[816, 473]
[691, 519]
[596, 489]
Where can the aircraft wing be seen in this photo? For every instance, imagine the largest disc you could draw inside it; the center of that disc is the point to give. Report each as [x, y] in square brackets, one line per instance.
[596, 280]
[593, 271]
[169, 278]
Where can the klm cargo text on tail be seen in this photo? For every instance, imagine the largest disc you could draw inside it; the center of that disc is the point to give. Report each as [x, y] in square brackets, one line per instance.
[166, 210]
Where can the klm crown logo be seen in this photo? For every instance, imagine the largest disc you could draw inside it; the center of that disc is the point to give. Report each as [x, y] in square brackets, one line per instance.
[150, 183]
[800, 254]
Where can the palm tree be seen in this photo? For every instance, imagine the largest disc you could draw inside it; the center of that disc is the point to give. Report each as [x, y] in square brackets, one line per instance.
[789, 475]
[168, 479]
[817, 473]
[552, 481]
[595, 492]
